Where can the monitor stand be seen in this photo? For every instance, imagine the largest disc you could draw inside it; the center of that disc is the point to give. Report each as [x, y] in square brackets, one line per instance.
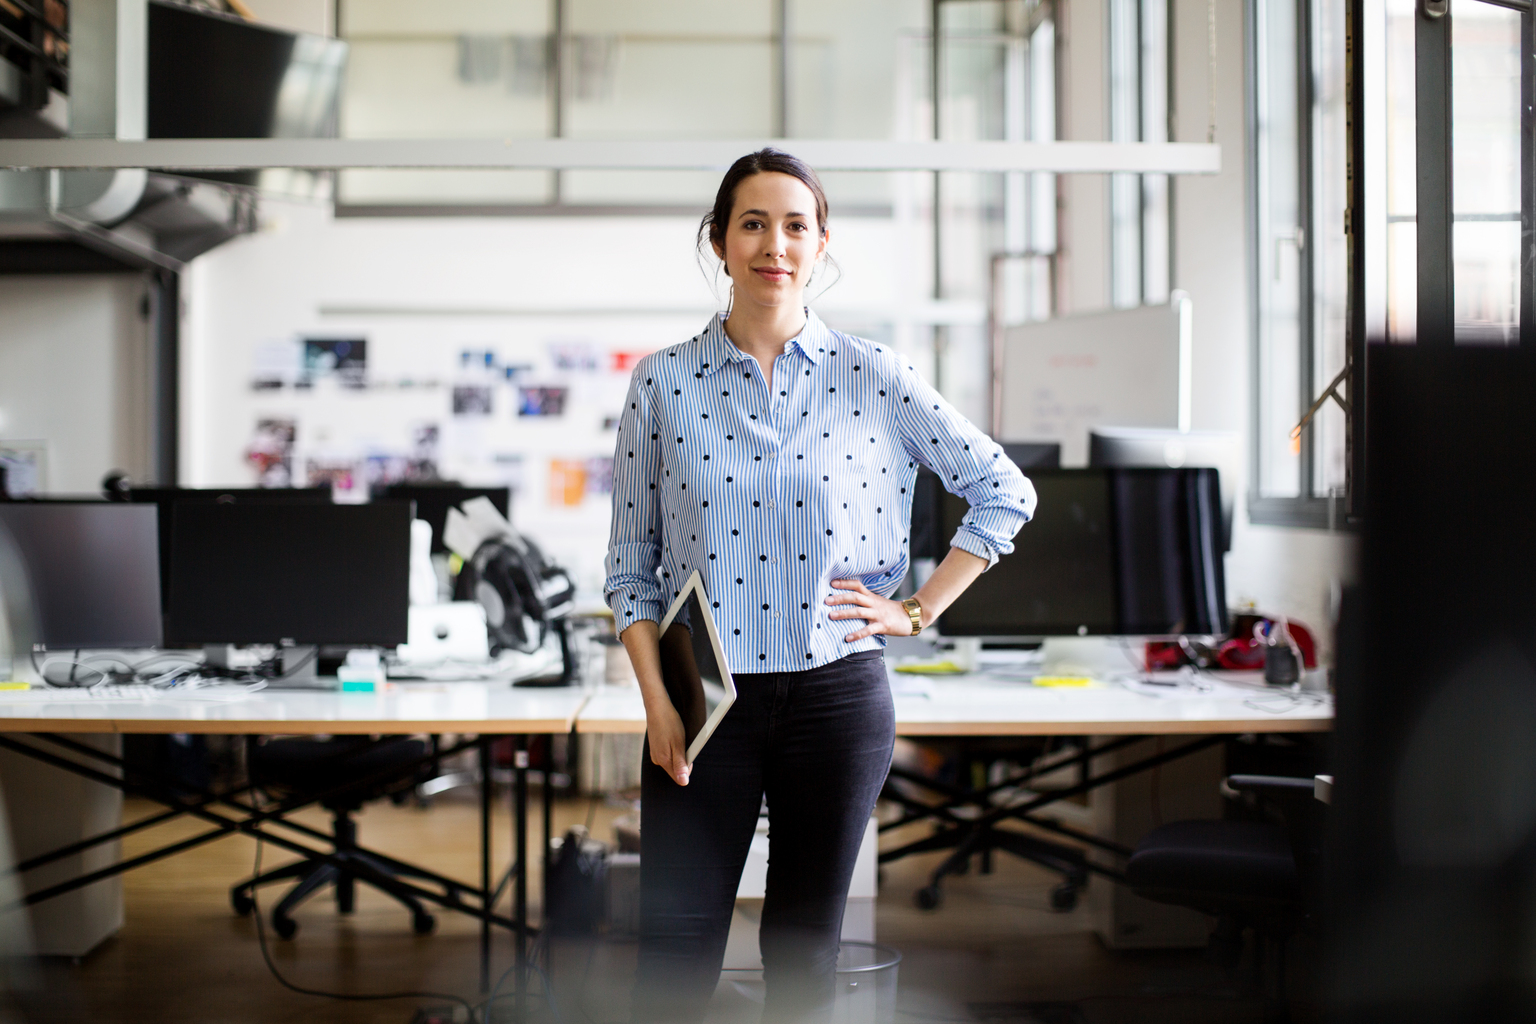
[1094, 656]
[300, 667]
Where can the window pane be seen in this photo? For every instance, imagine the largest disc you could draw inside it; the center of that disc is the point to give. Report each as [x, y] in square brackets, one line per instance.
[1279, 239]
[1330, 254]
[1485, 171]
[1391, 251]
[459, 69]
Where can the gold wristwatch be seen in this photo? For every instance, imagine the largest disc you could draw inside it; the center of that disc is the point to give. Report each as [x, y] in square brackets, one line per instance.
[915, 610]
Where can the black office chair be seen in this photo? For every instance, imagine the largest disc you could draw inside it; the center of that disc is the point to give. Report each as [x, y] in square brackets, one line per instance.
[296, 766]
[961, 812]
[1260, 874]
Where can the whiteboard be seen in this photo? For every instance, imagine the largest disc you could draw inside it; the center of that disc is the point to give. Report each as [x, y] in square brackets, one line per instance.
[1122, 368]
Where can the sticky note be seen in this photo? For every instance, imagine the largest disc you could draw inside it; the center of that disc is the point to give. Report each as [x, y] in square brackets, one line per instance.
[15, 686]
[357, 686]
[1063, 681]
[931, 668]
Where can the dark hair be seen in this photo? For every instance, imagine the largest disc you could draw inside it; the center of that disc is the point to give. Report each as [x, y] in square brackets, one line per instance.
[764, 161]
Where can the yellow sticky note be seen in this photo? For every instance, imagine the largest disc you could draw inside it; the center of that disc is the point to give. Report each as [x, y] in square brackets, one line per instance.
[1063, 681]
[15, 686]
[931, 668]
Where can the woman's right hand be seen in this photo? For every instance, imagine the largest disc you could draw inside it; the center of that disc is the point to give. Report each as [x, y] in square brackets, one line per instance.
[669, 746]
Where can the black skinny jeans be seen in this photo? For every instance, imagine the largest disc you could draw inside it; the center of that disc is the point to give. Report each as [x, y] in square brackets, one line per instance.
[818, 744]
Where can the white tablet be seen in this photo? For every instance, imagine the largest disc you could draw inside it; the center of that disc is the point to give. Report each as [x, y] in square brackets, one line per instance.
[693, 665]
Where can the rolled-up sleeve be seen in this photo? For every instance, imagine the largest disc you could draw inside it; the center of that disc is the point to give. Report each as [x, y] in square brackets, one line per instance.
[968, 462]
[634, 542]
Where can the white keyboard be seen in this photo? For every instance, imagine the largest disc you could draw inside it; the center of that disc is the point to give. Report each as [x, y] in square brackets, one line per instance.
[81, 694]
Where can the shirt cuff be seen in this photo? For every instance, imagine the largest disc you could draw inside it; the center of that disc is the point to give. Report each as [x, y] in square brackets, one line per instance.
[968, 540]
[628, 610]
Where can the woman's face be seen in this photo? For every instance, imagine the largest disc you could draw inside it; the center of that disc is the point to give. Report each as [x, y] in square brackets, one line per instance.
[772, 241]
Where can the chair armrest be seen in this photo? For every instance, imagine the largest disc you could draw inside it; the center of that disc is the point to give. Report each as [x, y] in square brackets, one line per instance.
[1271, 785]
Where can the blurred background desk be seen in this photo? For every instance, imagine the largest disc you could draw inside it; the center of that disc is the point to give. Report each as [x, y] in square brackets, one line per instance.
[33, 730]
[1123, 757]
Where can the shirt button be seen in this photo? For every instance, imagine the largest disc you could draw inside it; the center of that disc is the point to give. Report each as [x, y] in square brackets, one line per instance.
[772, 454]
[770, 504]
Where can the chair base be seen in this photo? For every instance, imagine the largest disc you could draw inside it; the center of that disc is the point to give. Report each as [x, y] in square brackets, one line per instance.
[313, 876]
[980, 841]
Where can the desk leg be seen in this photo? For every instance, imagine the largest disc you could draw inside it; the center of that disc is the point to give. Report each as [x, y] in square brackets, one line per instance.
[520, 892]
[486, 895]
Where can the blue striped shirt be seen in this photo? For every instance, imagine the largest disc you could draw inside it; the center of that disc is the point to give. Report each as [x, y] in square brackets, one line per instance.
[772, 492]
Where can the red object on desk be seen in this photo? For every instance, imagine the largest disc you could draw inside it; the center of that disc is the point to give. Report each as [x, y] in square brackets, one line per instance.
[1242, 650]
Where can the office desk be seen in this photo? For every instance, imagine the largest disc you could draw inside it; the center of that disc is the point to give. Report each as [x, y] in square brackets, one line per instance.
[1110, 718]
[978, 705]
[485, 709]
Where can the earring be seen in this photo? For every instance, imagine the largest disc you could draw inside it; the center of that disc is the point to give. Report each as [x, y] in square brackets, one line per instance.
[731, 301]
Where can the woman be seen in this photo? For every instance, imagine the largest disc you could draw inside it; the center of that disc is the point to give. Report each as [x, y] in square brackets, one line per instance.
[777, 458]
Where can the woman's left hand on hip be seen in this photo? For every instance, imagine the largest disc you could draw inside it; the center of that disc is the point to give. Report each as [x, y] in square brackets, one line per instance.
[880, 614]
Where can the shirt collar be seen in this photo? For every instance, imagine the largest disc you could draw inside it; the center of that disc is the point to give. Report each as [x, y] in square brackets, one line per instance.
[716, 348]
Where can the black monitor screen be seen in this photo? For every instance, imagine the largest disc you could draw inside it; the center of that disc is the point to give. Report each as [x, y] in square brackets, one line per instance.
[1109, 552]
[166, 497]
[1061, 575]
[311, 574]
[434, 500]
[92, 571]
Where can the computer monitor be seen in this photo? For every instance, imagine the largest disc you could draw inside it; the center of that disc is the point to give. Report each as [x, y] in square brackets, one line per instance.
[434, 500]
[167, 497]
[928, 540]
[309, 574]
[1110, 552]
[90, 572]
[1146, 446]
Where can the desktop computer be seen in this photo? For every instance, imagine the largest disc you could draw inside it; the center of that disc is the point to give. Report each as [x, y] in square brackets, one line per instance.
[80, 574]
[1110, 552]
[1220, 450]
[928, 540]
[289, 574]
[167, 498]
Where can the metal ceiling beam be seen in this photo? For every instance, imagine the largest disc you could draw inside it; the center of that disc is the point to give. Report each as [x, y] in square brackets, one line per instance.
[588, 154]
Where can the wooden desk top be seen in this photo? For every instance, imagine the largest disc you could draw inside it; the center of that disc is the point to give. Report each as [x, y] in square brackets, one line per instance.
[473, 707]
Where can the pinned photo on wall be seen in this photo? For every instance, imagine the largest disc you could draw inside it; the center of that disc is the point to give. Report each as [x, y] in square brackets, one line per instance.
[343, 478]
[509, 468]
[541, 401]
[567, 481]
[471, 400]
[580, 356]
[624, 360]
[270, 451]
[277, 364]
[23, 468]
[599, 476]
[345, 359]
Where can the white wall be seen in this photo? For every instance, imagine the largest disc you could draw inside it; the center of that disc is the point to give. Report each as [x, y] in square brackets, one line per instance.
[75, 372]
[421, 290]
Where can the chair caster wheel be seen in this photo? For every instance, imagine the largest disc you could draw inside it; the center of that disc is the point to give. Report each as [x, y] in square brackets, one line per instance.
[928, 897]
[286, 927]
[241, 903]
[422, 923]
[1064, 897]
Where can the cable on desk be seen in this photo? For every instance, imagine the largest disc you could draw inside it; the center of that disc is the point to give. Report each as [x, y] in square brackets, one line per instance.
[351, 997]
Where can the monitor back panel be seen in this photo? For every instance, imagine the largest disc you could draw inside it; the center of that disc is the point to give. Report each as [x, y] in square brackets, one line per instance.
[92, 571]
[307, 573]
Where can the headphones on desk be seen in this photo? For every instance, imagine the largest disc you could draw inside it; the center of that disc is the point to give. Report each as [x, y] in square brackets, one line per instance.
[523, 593]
